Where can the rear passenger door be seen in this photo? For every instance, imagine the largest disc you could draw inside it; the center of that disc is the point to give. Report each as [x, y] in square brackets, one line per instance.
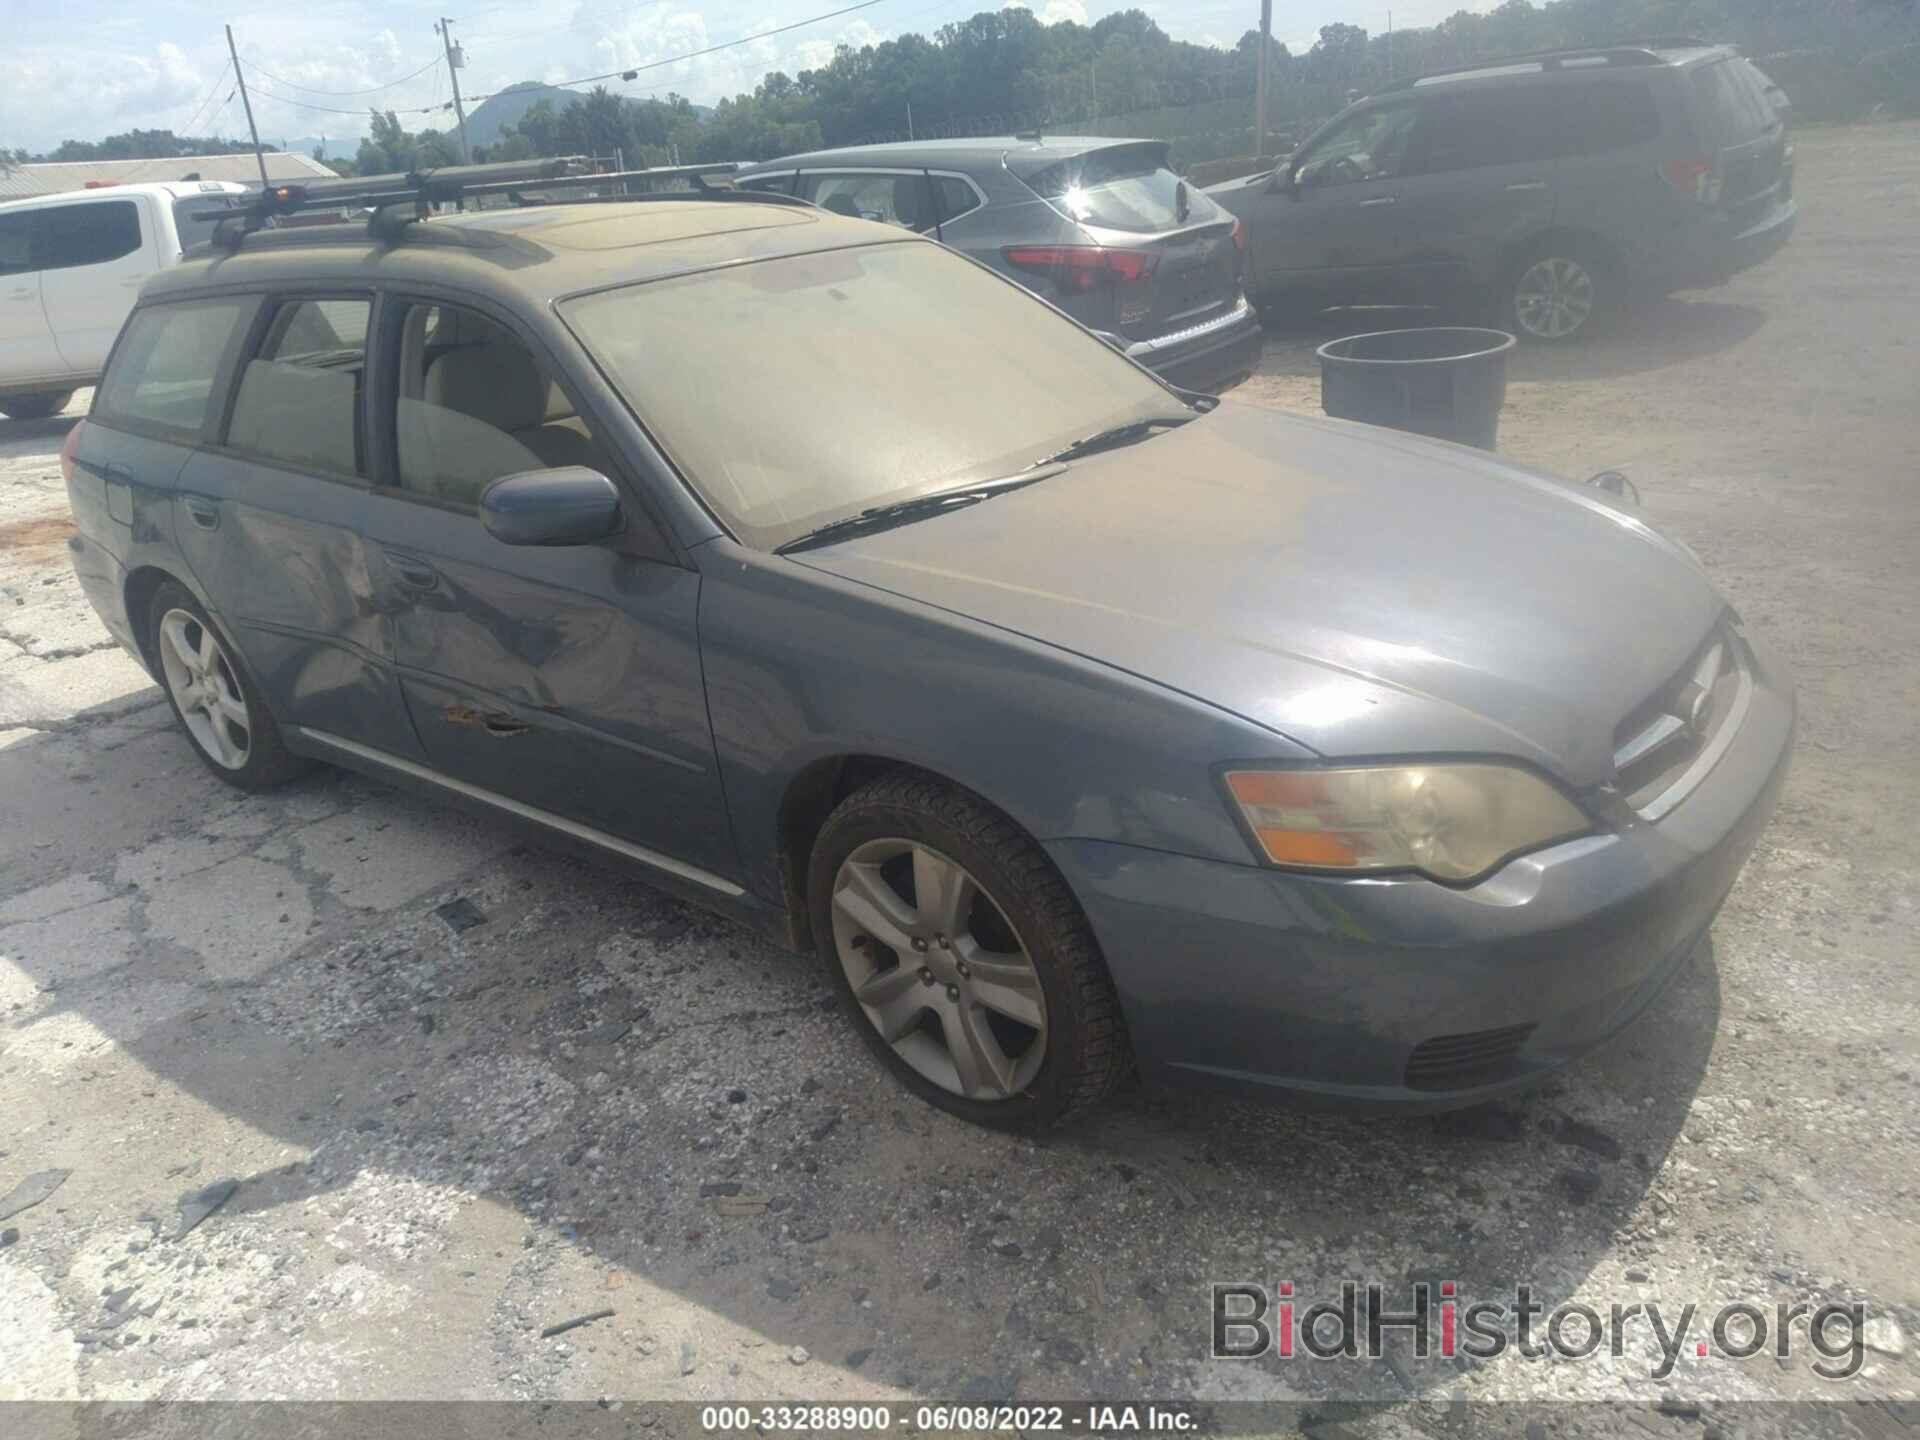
[94, 256]
[1483, 183]
[561, 680]
[269, 518]
[1611, 145]
[27, 351]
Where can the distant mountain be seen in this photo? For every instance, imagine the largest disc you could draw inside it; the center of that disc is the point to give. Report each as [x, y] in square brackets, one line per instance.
[486, 120]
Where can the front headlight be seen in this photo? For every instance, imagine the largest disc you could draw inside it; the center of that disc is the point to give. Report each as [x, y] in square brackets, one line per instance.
[1453, 822]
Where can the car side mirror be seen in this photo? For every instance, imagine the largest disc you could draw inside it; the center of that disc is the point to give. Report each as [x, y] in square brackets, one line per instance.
[570, 505]
[1283, 181]
[1107, 337]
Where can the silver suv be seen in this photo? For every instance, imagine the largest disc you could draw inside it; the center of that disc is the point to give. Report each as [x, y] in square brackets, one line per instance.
[1100, 227]
[1547, 188]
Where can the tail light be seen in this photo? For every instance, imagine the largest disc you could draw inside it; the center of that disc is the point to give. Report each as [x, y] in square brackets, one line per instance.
[66, 450]
[1079, 269]
[1240, 236]
[1694, 177]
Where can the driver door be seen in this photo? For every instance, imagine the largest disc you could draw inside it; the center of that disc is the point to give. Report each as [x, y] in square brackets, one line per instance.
[1333, 230]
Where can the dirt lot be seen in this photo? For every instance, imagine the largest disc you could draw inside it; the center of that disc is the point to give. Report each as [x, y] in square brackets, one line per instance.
[446, 1140]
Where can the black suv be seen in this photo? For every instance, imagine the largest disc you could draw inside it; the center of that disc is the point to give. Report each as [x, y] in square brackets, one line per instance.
[1548, 188]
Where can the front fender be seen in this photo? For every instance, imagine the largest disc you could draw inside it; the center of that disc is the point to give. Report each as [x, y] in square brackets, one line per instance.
[803, 666]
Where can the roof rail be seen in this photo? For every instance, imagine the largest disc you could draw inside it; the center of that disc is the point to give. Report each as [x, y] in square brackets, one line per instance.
[1632, 52]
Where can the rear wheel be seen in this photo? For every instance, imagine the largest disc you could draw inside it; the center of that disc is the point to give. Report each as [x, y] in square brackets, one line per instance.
[962, 957]
[34, 407]
[213, 698]
[1555, 292]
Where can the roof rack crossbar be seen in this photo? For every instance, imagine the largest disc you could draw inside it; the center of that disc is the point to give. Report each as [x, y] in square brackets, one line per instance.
[384, 193]
[398, 200]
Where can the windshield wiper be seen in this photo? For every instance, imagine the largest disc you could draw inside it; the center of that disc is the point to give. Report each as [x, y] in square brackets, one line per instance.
[1114, 436]
[901, 512]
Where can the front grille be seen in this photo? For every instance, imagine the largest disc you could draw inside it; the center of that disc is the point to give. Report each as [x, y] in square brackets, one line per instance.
[1659, 745]
[1459, 1062]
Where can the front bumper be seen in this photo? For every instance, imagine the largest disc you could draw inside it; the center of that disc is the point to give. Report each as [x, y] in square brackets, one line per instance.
[1408, 993]
[1211, 357]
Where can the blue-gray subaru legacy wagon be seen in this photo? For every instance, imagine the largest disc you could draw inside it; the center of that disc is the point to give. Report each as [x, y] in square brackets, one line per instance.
[1078, 724]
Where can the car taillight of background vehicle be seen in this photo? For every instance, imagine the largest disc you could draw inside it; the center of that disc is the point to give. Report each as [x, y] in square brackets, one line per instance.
[1694, 176]
[66, 451]
[1080, 269]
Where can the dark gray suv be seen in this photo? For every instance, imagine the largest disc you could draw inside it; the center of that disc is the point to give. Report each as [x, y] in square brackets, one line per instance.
[1546, 188]
[1100, 227]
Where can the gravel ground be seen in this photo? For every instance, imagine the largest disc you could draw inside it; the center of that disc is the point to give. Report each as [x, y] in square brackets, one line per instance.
[417, 1146]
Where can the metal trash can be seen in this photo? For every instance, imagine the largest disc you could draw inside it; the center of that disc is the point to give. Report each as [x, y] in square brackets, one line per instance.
[1449, 381]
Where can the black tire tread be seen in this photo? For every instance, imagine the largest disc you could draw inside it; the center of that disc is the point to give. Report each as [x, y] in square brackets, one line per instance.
[1105, 1058]
[35, 407]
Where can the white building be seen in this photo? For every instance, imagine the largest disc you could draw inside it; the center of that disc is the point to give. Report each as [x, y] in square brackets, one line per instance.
[56, 176]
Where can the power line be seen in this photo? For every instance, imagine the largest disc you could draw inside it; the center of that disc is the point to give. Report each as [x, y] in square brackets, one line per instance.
[259, 69]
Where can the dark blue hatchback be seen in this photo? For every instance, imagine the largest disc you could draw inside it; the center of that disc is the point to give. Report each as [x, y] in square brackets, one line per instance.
[834, 581]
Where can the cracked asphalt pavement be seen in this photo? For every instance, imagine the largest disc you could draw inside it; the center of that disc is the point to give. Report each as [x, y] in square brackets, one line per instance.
[362, 1096]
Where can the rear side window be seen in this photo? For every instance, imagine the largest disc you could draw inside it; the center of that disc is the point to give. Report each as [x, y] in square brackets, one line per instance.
[896, 199]
[299, 400]
[956, 197]
[197, 232]
[16, 243]
[1616, 115]
[1728, 105]
[1124, 188]
[162, 373]
[90, 234]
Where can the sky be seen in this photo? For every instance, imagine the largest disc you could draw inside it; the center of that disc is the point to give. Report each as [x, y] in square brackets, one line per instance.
[82, 69]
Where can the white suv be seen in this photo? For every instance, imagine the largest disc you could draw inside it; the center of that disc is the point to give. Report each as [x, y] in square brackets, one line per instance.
[71, 267]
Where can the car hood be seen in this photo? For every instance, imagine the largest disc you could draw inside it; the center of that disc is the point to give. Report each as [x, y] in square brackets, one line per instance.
[1359, 591]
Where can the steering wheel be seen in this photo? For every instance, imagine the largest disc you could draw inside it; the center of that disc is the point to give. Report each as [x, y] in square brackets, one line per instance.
[1348, 170]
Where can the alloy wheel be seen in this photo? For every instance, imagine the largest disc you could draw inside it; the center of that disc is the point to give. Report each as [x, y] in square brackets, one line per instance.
[205, 687]
[938, 970]
[1554, 297]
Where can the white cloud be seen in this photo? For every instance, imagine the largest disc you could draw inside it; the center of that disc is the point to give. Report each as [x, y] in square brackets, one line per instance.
[1053, 11]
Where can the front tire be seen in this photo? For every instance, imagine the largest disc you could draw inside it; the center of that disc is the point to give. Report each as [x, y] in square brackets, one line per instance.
[213, 697]
[34, 407]
[962, 957]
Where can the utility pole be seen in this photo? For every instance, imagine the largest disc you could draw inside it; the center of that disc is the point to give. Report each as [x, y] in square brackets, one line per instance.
[1260, 79]
[455, 59]
[1389, 45]
[233, 53]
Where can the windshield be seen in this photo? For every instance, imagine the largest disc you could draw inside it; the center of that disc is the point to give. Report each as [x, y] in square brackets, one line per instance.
[1125, 187]
[796, 391]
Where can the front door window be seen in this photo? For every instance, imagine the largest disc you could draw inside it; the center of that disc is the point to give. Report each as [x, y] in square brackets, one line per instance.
[1372, 145]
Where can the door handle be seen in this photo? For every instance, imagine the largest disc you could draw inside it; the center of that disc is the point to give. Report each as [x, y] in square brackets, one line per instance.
[203, 513]
[495, 722]
[1528, 185]
[412, 573]
[1377, 200]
